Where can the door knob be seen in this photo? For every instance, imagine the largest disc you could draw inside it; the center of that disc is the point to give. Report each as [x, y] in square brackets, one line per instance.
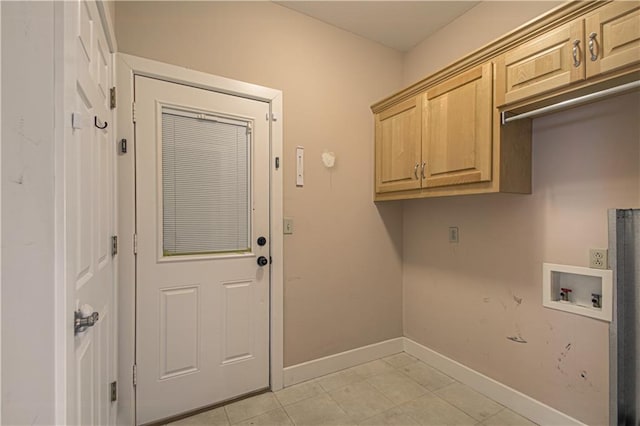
[84, 318]
[262, 241]
[262, 261]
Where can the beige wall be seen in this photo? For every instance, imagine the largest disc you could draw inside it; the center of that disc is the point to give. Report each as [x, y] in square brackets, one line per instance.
[464, 300]
[343, 263]
[481, 25]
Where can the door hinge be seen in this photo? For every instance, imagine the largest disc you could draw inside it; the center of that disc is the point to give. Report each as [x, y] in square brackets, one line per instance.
[114, 391]
[271, 116]
[135, 243]
[123, 146]
[135, 375]
[114, 245]
[133, 112]
[112, 97]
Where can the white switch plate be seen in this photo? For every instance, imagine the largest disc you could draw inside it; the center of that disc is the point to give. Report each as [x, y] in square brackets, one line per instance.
[288, 226]
[299, 166]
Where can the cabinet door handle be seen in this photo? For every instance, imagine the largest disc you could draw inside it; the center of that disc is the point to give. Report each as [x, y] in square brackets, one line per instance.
[593, 46]
[415, 170]
[576, 53]
[422, 173]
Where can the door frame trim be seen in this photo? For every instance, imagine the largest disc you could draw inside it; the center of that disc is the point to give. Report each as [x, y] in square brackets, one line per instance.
[127, 67]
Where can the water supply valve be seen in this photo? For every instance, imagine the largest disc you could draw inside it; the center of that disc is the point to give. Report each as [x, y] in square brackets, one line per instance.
[564, 294]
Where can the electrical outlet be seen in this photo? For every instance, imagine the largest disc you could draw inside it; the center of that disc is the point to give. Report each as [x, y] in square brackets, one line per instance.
[598, 259]
[453, 234]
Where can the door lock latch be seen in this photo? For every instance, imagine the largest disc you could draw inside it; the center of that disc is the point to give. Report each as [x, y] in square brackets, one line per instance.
[83, 321]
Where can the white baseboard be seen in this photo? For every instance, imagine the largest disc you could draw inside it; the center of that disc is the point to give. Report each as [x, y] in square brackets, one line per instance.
[503, 394]
[330, 364]
[510, 398]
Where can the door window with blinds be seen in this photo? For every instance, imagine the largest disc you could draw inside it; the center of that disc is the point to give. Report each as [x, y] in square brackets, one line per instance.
[205, 183]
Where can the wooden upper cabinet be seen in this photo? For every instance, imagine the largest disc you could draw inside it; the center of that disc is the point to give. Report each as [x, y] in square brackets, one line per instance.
[612, 37]
[606, 40]
[457, 129]
[443, 135]
[398, 146]
[549, 62]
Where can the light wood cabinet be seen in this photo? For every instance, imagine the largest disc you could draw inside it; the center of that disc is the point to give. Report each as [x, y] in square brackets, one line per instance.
[605, 41]
[447, 140]
[543, 64]
[398, 148]
[613, 37]
[457, 129]
[443, 135]
[440, 138]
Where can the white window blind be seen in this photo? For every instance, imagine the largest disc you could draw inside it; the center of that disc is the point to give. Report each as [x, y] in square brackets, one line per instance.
[205, 184]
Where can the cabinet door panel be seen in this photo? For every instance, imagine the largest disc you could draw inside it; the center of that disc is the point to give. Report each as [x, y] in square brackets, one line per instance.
[457, 129]
[613, 31]
[398, 147]
[543, 64]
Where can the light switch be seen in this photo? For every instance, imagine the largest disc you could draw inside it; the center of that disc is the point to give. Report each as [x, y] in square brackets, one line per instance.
[288, 226]
[299, 166]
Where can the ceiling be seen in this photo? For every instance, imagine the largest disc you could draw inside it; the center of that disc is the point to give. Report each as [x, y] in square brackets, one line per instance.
[397, 24]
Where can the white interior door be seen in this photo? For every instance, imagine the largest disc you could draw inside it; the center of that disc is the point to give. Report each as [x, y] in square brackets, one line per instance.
[89, 214]
[202, 206]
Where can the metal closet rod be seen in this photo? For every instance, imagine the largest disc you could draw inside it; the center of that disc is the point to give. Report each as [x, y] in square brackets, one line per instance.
[571, 102]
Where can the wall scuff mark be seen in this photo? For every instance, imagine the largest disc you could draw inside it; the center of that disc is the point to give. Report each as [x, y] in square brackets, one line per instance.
[504, 305]
[517, 339]
[584, 375]
[19, 180]
[562, 356]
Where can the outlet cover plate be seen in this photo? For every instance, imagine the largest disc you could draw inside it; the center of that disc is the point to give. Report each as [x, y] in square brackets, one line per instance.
[598, 259]
[453, 234]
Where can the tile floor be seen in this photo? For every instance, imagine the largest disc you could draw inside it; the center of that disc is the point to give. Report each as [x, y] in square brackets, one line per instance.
[396, 390]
